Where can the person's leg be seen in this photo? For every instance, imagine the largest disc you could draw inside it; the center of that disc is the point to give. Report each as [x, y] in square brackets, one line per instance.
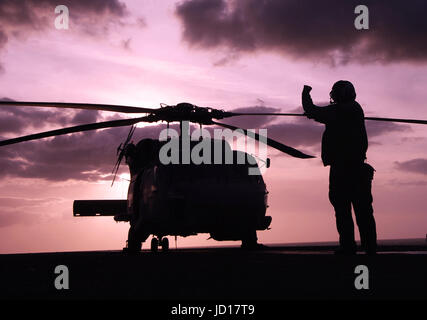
[364, 212]
[339, 198]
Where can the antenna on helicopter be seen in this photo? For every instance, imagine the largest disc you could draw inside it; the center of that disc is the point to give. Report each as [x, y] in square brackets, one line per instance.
[121, 152]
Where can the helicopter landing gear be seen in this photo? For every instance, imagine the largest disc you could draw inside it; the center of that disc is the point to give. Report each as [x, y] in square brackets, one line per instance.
[163, 242]
[250, 241]
[132, 246]
[133, 243]
[154, 245]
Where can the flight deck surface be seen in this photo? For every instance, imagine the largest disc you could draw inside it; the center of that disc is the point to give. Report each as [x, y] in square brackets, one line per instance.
[277, 273]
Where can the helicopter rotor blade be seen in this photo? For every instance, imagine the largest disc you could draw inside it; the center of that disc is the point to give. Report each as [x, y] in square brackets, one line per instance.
[270, 142]
[79, 128]
[397, 120]
[86, 106]
[234, 114]
[416, 121]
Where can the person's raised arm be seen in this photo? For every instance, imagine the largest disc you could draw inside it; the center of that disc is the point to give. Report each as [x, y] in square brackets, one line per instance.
[320, 114]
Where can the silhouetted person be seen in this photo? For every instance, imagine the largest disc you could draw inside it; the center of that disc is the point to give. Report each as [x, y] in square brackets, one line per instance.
[344, 146]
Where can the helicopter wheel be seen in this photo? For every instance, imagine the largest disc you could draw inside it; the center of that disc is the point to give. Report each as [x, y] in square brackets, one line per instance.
[165, 244]
[154, 245]
[134, 246]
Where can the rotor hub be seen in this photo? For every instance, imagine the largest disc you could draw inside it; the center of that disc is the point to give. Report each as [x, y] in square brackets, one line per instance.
[187, 112]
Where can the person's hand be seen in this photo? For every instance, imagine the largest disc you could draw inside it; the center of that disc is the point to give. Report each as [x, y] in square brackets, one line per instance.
[307, 103]
[307, 89]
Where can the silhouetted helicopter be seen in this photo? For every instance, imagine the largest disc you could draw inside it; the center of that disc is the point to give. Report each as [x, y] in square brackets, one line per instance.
[181, 199]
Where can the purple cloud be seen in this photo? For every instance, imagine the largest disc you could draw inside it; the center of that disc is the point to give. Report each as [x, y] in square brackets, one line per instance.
[17, 119]
[21, 19]
[415, 166]
[315, 30]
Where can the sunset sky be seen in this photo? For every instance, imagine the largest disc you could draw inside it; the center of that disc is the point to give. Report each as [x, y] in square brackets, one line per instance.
[251, 55]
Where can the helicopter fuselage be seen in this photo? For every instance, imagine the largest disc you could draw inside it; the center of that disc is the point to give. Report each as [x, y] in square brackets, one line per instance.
[223, 199]
[186, 199]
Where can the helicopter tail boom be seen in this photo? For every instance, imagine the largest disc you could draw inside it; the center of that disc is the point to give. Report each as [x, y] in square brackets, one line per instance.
[90, 208]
